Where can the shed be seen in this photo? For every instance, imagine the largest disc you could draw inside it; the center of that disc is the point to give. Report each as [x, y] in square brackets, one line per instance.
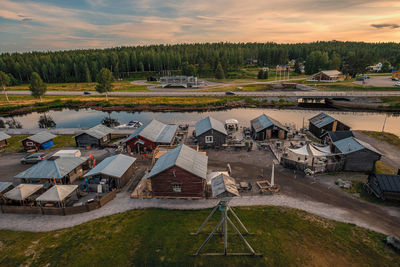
[150, 135]
[359, 155]
[3, 139]
[384, 186]
[117, 170]
[64, 170]
[327, 76]
[41, 140]
[23, 192]
[97, 136]
[322, 123]
[264, 127]
[58, 194]
[224, 186]
[181, 172]
[210, 133]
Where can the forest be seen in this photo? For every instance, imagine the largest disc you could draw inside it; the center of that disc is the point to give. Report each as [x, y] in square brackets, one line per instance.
[199, 59]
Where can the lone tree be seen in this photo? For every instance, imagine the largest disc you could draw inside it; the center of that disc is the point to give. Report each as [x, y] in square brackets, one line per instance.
[38, 87]
[104, 80]
[4, 81]
[219, 72]
[260, 74]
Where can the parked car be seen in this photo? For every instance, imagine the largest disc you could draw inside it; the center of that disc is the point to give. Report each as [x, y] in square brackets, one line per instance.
[33, 158]
[86, 93]
[395, 79]
[229, 93]
[397, 84]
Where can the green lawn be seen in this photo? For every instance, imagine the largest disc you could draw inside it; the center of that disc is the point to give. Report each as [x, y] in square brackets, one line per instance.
[15, 144]
[385, 137]
[155, 237]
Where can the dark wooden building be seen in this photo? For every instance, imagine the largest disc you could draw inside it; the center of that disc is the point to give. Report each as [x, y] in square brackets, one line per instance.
[116, 170]
[150, 135]
[384, 186]
[3, 139]
[322, 123]
[97, 136]
[42, 140]
[180, 173]
[327, 76]
[210, 133]
[359, 156]
[264, 128]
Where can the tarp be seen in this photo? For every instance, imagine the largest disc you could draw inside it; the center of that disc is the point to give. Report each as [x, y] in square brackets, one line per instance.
[48, 144]
[300, 151]
[312, 150]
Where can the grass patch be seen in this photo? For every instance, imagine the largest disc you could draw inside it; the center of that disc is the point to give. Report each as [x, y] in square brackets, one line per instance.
[382, 167]
[155, 237]
[385, 137]
[61, 141]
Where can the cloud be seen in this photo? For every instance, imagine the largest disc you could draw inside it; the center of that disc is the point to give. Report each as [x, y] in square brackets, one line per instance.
[386, 25]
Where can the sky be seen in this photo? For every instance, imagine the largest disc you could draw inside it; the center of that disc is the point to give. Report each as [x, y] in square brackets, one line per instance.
[76, 24]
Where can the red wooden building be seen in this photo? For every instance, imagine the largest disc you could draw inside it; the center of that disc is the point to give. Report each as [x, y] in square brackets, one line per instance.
[180, 173]
[42, 140]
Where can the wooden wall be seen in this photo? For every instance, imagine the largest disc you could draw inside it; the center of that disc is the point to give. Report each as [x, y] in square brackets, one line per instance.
[218, 139]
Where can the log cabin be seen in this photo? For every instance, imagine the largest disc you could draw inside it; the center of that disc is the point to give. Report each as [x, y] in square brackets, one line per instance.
[210, 133]
[97, 136]
[320, 124]
[264, 128]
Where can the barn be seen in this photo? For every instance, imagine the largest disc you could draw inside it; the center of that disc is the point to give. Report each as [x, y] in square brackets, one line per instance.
[97, 136]
[264, 128]
[320, 124]
[180, 173]
[116, 170]
[384, 186]
[359, 156]
[327, 76]
[150, 135]
[3, 139]
[41, 140]
[210, 133]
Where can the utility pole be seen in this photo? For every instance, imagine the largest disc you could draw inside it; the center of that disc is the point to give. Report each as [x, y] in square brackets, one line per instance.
[384, 123]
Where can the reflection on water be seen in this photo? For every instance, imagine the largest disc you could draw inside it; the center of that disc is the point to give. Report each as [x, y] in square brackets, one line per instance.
[88, 118]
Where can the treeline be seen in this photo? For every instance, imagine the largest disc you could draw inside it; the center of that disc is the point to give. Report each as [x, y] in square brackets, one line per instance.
[193, 59]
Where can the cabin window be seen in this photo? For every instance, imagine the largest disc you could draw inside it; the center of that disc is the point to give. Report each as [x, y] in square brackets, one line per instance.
[209, 139]
[29, 143]
[177, 187]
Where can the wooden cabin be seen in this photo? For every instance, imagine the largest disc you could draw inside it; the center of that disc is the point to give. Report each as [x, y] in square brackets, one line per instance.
[224, 186]
[384, 186]
[150, 135]
[3, 139]
[264, 128]
[330, 137]
[327, 76]
[322, 123]
[97, 136]
[42, 140]
[210, 133]
[180, 173]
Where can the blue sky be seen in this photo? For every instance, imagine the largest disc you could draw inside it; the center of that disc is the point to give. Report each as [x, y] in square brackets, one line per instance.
[58, 25]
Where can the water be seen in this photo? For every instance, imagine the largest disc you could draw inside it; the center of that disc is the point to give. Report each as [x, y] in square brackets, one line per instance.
[89, 117]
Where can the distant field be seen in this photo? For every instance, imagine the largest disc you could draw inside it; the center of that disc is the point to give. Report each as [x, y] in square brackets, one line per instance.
[155, 237]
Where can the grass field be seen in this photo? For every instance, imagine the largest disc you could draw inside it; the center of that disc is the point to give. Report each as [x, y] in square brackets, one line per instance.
[155, 237]
[385, 137]
[61, 141]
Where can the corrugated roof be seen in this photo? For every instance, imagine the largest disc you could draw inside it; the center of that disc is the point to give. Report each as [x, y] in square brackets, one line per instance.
[23, 191]
[263, 122]
[4, 186]
[339, 135]
[57, 193]
[155, 131]
[321, 120]
[114, 166]
[98, 131]
[332, 73]
[183, 157]
[209, 123]
[4, 136]
[223, 183]
[388, 182]
[41, 137]
[52, 168]
[352, 144]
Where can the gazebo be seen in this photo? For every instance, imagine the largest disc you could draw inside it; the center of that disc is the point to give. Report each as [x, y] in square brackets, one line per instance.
[57, 195]
[23, 192]
[232, 124]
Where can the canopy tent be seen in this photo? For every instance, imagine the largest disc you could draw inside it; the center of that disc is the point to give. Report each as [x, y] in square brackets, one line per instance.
[23, 191]
[311, 150]
[57, 193]
[231, 124]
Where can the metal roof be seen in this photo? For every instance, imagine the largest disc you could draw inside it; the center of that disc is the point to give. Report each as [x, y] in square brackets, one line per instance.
[352, 144]
[114, 166]
[4, 186]
[388, 182]
[155, 131]
[23, 191]
[41, 137]
[223, 183]
[4, 136]
[263, 122]
[209, 123]
[332, 73]
[321, 120]
[339, 135]
[52, 168]
[183, 157]
[98, 131]
[57, 193]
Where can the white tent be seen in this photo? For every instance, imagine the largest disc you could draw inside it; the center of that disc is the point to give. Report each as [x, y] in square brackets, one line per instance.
[57, 193]
[23, 191]
[312, 150]
[231, 123]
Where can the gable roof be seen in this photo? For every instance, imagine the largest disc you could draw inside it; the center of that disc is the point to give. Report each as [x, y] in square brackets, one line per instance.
[183, 157]
[388, 182]
[98, 131]
[56, 168]
[23, 191]
[155, 131]
[114, 166]
[207, 124]
[332, 73]
[41, 137]
[321, 120]
[4, 186]
[339, 135]
[223, 183]
[57, 193]
[263, 122]
[352, 144]
[4, 136]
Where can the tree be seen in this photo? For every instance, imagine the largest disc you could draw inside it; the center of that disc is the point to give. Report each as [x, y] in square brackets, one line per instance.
[37, 87]
[4, 81]
[219, 72]
[260, 74]
[104, 81]
[385, 67]
[2, 124]
[13, 124]
[265, 75]
[46, 122]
